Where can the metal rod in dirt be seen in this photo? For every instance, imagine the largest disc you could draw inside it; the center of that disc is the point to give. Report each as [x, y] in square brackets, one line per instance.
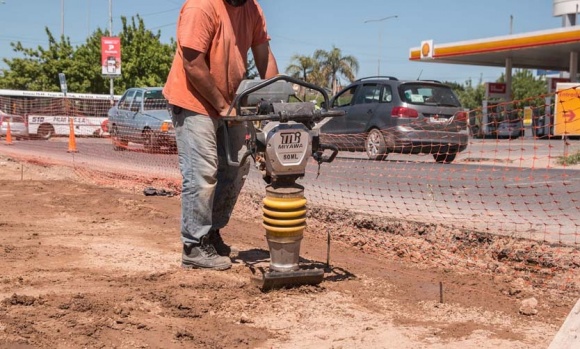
[328, 249]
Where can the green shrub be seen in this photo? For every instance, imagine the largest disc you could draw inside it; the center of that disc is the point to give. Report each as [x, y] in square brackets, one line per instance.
[572, 159]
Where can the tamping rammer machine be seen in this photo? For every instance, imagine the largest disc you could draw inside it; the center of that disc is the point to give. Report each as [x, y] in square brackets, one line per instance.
[281, 139]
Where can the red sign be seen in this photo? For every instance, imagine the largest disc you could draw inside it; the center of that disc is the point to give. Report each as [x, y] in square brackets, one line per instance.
[552, 82]
[111, 56]
[496, 88]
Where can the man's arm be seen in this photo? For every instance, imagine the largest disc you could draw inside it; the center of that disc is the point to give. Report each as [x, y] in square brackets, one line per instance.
[265, 61]
[198, 75]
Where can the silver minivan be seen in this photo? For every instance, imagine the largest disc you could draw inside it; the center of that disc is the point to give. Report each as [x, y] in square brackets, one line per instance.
[386, 115]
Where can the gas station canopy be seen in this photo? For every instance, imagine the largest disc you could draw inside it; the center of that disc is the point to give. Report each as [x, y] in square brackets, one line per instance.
[554, 49]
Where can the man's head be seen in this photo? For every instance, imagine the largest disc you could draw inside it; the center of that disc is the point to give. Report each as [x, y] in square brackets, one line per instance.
[236, 3]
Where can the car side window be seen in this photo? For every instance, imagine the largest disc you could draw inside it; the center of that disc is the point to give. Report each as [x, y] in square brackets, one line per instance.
[387, 94]
[126, 100]
[345, 98]
[136, 105]
[368, 93]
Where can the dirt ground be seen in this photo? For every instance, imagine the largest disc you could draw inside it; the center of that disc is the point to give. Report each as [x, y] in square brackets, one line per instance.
[89, 266]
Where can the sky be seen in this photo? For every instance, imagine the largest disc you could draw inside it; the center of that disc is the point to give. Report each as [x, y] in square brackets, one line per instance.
[300, 27]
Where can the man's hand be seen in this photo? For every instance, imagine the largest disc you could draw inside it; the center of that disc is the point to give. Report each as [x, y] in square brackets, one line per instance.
[224, 111]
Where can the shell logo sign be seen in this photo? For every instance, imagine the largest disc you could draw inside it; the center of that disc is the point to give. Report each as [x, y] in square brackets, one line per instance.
[427, 49]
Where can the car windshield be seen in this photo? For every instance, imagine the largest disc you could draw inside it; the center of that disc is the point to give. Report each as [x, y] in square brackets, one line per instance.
[154, 100]
[428, 94]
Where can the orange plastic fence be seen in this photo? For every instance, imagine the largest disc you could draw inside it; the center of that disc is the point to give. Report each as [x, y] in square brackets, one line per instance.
[522, 184]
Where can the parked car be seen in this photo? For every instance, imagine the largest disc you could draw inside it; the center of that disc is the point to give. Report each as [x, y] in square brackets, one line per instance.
[386, 115]
[18, 125]
[497, 120]
[141, 116]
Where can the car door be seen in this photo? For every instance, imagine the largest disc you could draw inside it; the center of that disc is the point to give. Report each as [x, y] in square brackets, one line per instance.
[333, 130]
[342, 101]
[121, 117]
[18, 126]
[363, 109]
[135, 120]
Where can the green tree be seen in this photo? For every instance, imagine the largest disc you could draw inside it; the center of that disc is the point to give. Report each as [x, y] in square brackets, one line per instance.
[471, 97]
[38, 68]
[333, 65]
[85, 76]
[145, 62]
[454, 86]
[526, 88]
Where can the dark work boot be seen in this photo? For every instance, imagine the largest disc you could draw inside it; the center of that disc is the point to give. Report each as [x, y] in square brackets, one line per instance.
[218, 243]
[203, 255]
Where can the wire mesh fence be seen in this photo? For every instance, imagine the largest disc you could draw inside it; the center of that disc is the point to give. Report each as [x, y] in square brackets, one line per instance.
[514, 177]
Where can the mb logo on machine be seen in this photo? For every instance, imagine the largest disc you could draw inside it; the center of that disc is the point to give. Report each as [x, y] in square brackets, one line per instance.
[290, 140]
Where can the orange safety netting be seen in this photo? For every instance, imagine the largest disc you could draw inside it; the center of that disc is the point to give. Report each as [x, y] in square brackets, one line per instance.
[512, 182]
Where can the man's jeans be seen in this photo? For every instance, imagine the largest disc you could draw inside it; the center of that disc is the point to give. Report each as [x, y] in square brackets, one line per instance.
[210, 187]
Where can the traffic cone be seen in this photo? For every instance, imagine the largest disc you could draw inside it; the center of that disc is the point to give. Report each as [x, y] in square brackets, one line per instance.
[72, 143]
[8, 134]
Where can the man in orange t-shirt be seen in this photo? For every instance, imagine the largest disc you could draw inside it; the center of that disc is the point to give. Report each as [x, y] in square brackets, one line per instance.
[213, 41]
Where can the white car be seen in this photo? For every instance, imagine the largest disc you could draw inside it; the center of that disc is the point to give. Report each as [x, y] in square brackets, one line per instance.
[18, 125]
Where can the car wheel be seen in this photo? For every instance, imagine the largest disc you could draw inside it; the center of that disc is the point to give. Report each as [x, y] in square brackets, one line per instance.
[375, 145]
[45, 131]
[444, 157]
[118, 142]
[149, 141]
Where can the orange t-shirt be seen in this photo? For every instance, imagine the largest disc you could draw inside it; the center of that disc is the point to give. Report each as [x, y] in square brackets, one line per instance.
[225, 34]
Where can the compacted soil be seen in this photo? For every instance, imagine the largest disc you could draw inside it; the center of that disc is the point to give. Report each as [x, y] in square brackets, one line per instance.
[87, 265]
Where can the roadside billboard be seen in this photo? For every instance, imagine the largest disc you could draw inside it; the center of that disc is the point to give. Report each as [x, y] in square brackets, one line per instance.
[567, 110]
[111, 57]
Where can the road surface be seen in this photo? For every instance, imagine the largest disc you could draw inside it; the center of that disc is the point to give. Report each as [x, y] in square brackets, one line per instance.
[501, 187]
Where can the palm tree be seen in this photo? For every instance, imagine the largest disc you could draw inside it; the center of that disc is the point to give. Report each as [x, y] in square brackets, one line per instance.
[333, 65]
[300, 66]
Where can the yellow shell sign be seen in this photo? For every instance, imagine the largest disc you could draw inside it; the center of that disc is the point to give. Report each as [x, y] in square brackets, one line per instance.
[427, 49]
[567, 113]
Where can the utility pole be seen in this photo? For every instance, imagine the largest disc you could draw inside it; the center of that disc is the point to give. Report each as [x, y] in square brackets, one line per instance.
[62, 18]
[88, 18]
[112, 86]
[380, 31]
